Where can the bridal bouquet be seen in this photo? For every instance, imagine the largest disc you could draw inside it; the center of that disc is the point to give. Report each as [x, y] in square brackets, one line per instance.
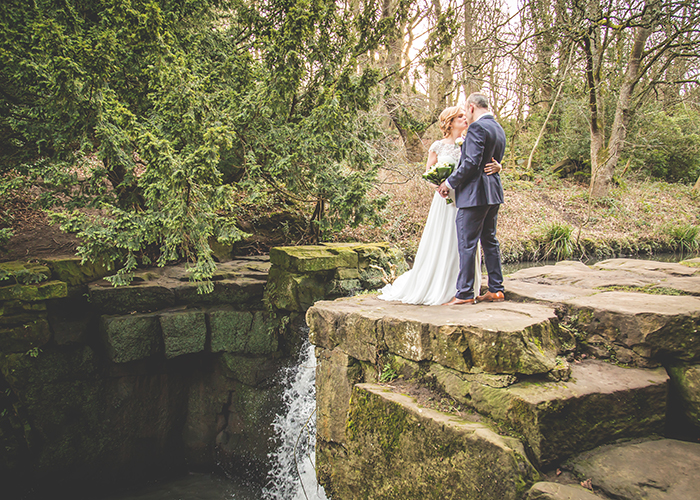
[438, 173]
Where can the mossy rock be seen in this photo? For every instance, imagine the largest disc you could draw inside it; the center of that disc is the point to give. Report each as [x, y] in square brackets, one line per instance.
[131, 337]
[686, 381]
[252, 371]
[243, 331]
[34, 293]
[184, 332]
[21, 338]
[16, 271]
[108, 299]
[397, 450]
[74, 272]
[295, 292]
[304, 259]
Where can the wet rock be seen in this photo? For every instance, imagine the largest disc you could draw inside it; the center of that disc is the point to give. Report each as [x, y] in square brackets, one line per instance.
[396, 449]
[254, 371]
[33, 333]
[599, 404]
[663, 469]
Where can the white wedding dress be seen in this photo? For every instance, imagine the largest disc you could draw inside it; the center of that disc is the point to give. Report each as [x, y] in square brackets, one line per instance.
[433, 278]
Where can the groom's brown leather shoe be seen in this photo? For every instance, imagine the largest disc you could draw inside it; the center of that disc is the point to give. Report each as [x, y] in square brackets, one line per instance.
[491, 297]
[456, 302]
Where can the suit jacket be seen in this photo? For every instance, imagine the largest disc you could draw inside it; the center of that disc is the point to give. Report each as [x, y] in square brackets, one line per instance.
[485, 139]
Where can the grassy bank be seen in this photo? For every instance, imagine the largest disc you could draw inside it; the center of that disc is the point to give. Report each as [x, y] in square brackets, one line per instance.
[552, 218]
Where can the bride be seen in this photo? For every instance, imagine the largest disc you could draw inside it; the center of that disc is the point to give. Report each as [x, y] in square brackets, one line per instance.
[433, 278]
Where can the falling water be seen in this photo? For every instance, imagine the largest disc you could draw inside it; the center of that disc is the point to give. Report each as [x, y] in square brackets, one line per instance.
[293, 476]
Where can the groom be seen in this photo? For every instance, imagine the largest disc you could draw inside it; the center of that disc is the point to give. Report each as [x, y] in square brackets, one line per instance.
[478, 197]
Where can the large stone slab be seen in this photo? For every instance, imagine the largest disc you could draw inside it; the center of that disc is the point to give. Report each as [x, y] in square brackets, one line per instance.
[242, 331]
[639, 312]
[600, 403]
[131, 337]
[494, 338]
[644, 275]
[184, 332]
[240, 282]
[555, 491]
[311, 258]
[34, 292]
[397, 449]
[663, 469]
[661, 327]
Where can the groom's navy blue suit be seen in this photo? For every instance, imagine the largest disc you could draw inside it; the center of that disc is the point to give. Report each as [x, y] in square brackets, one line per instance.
[478, 197]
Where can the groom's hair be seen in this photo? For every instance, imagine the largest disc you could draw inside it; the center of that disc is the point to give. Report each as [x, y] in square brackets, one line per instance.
[479, 100]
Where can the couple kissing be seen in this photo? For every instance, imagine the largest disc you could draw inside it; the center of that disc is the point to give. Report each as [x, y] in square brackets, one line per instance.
[447, 267]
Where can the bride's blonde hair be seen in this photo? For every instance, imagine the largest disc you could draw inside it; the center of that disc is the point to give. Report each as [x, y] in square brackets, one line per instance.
[446, 117]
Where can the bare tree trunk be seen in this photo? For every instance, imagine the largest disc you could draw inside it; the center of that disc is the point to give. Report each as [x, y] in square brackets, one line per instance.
[607, 158]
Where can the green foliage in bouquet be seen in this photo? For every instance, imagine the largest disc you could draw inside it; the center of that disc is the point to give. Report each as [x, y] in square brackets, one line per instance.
[439, 172]
[166, 116]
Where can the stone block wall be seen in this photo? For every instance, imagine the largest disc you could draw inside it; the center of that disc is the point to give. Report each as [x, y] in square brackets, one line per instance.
[109, 386]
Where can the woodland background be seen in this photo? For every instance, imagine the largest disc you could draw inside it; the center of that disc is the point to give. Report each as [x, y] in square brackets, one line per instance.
[158, 131]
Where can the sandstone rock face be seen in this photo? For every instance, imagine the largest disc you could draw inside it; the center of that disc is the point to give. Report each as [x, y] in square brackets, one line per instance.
[184, 332]
[640, 329]
[396, 449]
[686, 381]
[555, 491]
[662, 469]
[493, 338]
[525, 364]
[300, 276]
[561, 419]
[130, 338]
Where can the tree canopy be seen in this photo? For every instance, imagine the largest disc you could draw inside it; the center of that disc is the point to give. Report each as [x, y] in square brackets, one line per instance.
[156, 114]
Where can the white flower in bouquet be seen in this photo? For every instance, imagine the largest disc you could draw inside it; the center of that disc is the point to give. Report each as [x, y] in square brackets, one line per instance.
[438, 173]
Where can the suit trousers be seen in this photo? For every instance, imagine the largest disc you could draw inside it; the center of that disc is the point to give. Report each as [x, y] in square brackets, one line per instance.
[474, 224]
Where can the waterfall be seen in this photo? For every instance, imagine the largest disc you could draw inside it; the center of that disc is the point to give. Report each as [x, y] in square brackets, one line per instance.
[293, 475]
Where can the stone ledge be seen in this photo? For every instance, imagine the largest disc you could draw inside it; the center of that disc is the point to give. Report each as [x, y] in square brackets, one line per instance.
[502, 338]
[397, 449]
[599, 404]
[662, 469]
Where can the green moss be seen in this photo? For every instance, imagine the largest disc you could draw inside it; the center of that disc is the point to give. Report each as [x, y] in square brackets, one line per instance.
[34, 293]
[650, 289]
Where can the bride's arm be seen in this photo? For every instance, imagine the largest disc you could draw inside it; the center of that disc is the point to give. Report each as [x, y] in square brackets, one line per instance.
[432, 160]
[493, 167]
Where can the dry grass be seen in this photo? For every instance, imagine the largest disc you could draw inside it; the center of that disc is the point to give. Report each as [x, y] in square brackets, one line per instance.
[635, 219]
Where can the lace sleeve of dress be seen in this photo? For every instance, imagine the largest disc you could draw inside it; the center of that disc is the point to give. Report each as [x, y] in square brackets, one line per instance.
[435, 147]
